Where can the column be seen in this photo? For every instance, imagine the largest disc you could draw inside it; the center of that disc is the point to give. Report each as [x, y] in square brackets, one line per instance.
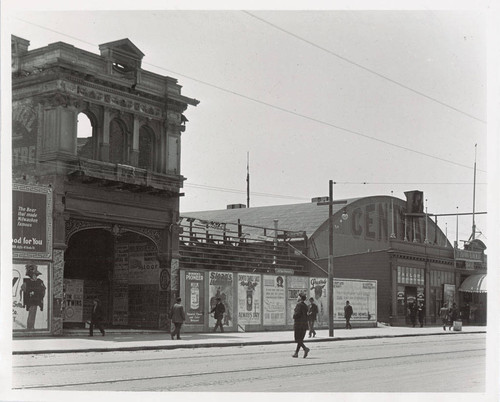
[134, 153]
[104, 154]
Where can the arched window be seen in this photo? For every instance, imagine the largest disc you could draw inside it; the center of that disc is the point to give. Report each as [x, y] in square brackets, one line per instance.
[146, 148]
[84, 137]
[117, 142]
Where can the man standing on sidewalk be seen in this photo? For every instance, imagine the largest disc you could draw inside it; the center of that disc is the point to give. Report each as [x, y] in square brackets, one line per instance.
[300, 325]
[312, 313]
[178, 317]
[96, 317]
[347, 315]
[218, 311]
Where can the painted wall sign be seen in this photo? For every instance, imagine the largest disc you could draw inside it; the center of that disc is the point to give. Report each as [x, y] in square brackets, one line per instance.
[31, 221]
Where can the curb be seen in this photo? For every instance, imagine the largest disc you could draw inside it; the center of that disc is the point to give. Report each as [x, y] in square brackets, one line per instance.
[229, 344]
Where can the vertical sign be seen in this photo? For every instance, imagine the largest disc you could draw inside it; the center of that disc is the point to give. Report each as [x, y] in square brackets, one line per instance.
[221, 285]
[274, 300]
[296, 285]
[120, 285]
[319, 290]
[30, 296]
[249, 309]
[195, 297]
[31, 221]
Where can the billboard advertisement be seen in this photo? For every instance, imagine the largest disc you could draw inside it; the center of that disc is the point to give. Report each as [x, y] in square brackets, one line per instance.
[220, 284]
[318, 291]
[362, 296]
[30, 295]
[274, 304]
[73, 300]
[31, 221]
[249, 294]
[195, 297]
[295, 285]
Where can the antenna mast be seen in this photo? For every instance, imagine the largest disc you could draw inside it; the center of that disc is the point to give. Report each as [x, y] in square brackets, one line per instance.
[248, 182]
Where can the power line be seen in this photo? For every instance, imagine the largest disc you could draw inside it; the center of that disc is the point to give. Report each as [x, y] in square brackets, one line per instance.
[362, 67]
[283, 109]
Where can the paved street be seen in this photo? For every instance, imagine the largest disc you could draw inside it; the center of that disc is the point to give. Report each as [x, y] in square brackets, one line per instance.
[406, 364]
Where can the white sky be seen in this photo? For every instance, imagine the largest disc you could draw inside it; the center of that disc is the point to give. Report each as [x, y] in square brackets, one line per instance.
[293, 91]
[341, 95]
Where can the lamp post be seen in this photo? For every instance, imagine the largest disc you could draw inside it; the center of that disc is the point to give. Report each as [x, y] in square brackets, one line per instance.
[330, 254]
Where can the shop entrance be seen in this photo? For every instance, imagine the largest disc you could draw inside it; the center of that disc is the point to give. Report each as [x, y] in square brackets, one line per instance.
[410, 300]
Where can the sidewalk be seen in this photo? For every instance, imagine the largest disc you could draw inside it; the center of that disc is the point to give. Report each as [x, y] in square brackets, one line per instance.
[120, 340]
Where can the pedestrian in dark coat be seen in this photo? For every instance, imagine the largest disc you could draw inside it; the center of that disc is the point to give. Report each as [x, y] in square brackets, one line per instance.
[413, 314]
[96, 317]
[178, 317]
[420, 314]
[300, 325]
[443, 313]
[218, 310]
[347, 315]
[312, 314]
[453, 315]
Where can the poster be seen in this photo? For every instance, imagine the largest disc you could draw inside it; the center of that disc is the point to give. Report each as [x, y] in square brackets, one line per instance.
[221, 285]
[143, 268]
[195, 297]
[274, 304]
[30, 295]
[120, 285]
[295, 285]
[249, 294]
[73, 300]
[31, 221]
[319, 291]
[362, 296]
[448, 294]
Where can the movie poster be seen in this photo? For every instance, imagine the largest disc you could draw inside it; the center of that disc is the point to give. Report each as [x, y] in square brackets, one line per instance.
[249, 292]
[195, 297]
[221, 285]
[319, 291]
[30, 296]
[362, 296]
[295, 285]
[274, 300]
[73, 300]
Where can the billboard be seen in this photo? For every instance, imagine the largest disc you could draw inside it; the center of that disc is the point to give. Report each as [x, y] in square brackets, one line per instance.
[362, 296]
[274, 299]
[220, 284]
[195, 297]
[295, 285]
[31, 221]
[73, 300]
[249, 293]
[30, 295]
[319, 291]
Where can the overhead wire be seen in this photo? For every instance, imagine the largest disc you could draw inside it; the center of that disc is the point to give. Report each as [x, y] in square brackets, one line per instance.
[281, 108]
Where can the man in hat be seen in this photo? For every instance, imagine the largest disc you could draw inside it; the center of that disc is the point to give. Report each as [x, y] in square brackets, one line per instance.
[33, 292]
[178, 317]
[218, 311]
[96, 317]
[300, 325]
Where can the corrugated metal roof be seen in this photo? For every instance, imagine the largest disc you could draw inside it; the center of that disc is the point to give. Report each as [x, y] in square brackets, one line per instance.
[306, 217]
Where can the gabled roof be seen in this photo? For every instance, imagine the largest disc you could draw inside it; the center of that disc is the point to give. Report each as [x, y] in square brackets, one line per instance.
[306, 217]
[123, 46]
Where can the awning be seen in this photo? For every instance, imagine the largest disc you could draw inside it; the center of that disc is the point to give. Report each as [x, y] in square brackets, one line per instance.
[474, 284]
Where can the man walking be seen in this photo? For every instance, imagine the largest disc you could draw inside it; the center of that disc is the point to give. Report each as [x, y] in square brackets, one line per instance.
[178, 317]
[300, 325]
[347, 315]
[312, 313]
[96, 317]
[218, 311]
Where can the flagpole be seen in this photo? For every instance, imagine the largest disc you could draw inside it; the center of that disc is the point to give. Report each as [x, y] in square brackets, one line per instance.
[248, 182]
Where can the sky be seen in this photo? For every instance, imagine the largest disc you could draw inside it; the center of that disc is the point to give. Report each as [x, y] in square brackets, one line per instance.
[381, 102]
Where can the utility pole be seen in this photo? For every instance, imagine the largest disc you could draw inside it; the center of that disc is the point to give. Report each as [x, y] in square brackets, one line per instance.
[330, 254]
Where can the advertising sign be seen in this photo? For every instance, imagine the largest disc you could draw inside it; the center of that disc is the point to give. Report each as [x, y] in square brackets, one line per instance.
[30, 296]
[249, 308]
[195, 297]
[362, 296]
[295, 285]
[221, 285]
[120, 285]
[31, 221]
[144, 268]
[318, 289]
[73, 300]
[449, 294]
[274, 299]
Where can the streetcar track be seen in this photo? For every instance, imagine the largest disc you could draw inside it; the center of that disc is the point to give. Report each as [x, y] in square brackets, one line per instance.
[324, 347]
[222, 372]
